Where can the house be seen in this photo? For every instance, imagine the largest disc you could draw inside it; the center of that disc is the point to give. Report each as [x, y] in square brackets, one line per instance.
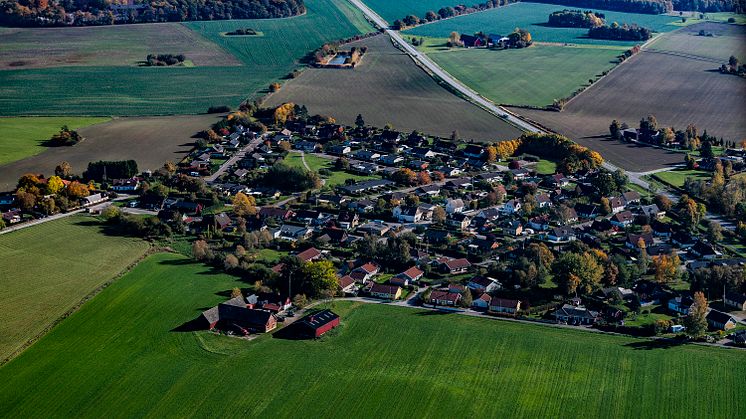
[460, 183]
[275, 213]
[422, 153]
[409, 276]
[125, 185]
[680, 305]
[578, 315]
[234, 313]
[683, 239]
[539, 223]
[720, 321]
[586, 210]
[454, 206]
[557, 180]
[374, 229]
[562, 234]
[502, 305]
[616, 204]
[365, 272]
[346, 284]
[483, 284]
[459, 221]
[437, 236]
[444, 298]
[93, 199]
[511, 207]
[735, 300]
[631, 197]
[339, 150]
[309, 254]
[347, 219]
[407, 214]
[473, 151]
[454, 266]
[704, 250]
[391, 159]
[482, 302]
[652, 212]
[543, 200]
[489, 214]
[429, 190]
[362, 206]
[367, 155]
[622, 219]
[484, 245]
[386, 292]
[634, 240]
[12, 216]
[307, 146]
[471, 41]
[294, 232]
[317, 323]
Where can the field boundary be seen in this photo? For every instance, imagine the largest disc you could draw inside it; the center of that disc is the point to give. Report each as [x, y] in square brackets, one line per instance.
[72, 310]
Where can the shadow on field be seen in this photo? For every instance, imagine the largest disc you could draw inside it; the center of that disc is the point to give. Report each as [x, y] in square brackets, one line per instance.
[649, 345]
[190, 326]
[433, 312]
[290, 332]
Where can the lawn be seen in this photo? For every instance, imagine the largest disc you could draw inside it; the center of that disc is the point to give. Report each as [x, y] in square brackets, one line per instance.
[108, 90]
[546, 167]
[119, 355]
[315, 163]
[533, 16]
[23, 137]
[50, 268]
[677, 177]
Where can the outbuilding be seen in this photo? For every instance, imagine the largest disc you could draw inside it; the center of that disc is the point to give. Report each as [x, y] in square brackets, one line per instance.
[318, 323]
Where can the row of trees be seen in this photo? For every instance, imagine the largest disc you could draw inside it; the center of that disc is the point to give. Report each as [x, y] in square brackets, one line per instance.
[49, 196]
[575, 19]
[447, 12]
[162, 60]
[102, 12]
[653, 7]
[620, 32]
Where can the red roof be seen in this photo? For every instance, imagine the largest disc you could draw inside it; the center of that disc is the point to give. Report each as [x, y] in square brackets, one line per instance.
[504, 303]
[369, 267]
[345, 281]
[457, 263]
[445, 296]
[412, 273]
[384, 289]
[309, 254]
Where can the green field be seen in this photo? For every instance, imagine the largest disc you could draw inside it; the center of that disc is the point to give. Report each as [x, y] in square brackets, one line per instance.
[119, 355]
[532, 16]
[23, 137]
[521, 76]
[677, 177]
[48, 269]
[546, 167]
[105, 90]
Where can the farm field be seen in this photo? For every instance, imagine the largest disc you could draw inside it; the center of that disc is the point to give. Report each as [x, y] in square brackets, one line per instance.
[120, 45]
[531, 83]
[387, 87]
[109, 90]
[150, 141]
[121, 355]
[23, 137]
[533, 16]
[49, 268]
[727, 40]
[651, 83]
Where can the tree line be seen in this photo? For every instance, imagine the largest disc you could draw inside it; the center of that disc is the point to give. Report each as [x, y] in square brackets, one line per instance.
[102, 12]
[575, 19]
[448, 11]
[162, 60]
[619, 32]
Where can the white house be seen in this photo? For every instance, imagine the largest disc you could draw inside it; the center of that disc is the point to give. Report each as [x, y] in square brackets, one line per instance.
[454, 206]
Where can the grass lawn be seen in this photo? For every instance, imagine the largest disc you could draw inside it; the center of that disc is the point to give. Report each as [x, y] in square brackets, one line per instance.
[24, 137]
[533, 16]
[315, 163]
[677, 177]
[520, 76]
[120, 356]
[111, 90]
[269, 255]
[546, 167]
[49, 268]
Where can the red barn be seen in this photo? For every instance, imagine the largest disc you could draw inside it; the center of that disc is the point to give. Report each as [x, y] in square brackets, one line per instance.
[318, 323]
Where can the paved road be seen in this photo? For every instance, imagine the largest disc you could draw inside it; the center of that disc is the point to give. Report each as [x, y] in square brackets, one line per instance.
[234, 159]
[38, 221]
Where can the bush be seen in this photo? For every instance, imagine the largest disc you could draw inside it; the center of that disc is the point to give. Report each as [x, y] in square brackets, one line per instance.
[219, 109]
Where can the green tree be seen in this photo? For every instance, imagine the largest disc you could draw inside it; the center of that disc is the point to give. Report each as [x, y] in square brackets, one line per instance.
[714, 231]
[696, 321]
[615, 129]
[359, 121]
[578, 272]
[316, 277]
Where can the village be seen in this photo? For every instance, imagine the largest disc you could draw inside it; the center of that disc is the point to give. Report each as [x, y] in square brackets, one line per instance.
[430, 222]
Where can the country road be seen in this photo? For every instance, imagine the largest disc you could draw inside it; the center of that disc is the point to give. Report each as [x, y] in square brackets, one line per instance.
[235, 158]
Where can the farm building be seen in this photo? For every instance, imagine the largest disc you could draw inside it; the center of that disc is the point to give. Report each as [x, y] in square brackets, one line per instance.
[318, 323]
[234, 313]
[720, 321]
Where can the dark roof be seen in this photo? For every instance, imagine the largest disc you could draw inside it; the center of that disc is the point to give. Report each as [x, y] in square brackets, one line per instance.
[506, 303]
[318, 319]
[719, 317]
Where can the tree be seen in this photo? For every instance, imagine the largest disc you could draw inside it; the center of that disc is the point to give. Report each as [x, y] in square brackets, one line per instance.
[466, 299]
[359, 121]
[439, 215]
[578, 272]
[705, 150]
[666, 267]
[244, 205]
[696, 321]
[412, 200]
[405, 176]
[236, 292]
[714, 231]
[54, 185]
[63, 170]
[490, 154]
[615, 129]
[300, 300]
[315, 277]
[77, 190]
[169, 167]
[423, 178]
[663, 202]
[230, 262]
[648, 128]
[274, 87]
[201, 250]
